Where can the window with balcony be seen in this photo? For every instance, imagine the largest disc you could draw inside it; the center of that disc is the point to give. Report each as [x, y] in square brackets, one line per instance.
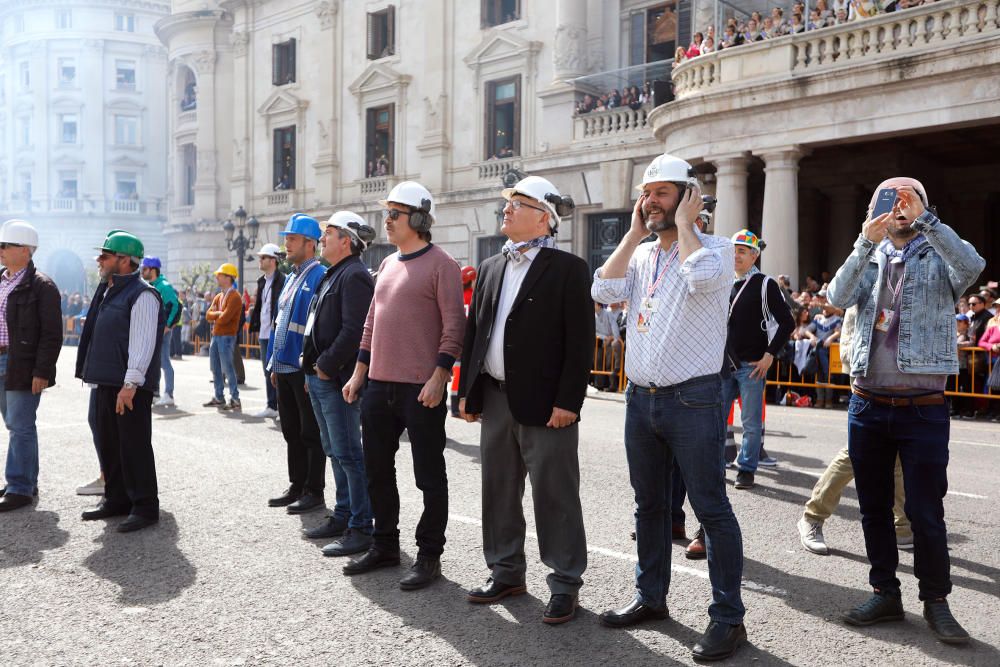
[284, 158]
[653, 34]
[125, 74]
[67, 185]
[126, 186]
[190, 156]
[24, 131]
[189, 98]
[503, 118]
[380, 140]
[24, 75]
[283, 63]
[67, 128]
[125, 22]
[64, 19]
[382, 33]
[67, 72]
[498, 12]
[126, 130]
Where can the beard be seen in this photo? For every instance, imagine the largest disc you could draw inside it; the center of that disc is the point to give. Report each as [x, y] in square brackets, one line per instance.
[901, 233]
[664, 224]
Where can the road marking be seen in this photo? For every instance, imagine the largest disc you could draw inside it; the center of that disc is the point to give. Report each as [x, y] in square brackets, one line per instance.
[991, 445]
[967, 495]
[813, 473]
[632, 558]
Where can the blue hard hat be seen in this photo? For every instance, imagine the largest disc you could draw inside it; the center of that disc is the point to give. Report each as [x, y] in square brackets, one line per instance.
[961, 316]
[300, 223]
[150, 262]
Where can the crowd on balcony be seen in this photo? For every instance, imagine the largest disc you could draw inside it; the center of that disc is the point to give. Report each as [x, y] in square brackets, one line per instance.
[190, 99]
[632, 97]
[757, 28]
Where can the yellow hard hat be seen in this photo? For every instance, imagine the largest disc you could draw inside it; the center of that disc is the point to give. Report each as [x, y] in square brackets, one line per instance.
[228, 269]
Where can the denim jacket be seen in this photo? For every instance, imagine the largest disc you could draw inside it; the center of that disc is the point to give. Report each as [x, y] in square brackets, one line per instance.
[933, 280]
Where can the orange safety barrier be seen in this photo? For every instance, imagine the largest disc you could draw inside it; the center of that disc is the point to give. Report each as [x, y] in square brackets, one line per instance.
[250, 347]
[604, 363]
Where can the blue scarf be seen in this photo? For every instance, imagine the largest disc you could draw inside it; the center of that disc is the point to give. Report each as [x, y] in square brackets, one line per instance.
[901, 255]
[512, 251]
[749, 274]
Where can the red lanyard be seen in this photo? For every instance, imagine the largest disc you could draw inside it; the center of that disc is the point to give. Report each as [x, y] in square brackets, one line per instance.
[654, 285]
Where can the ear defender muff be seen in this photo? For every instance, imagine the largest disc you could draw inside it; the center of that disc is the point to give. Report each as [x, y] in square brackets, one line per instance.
[563, 205]
[420, 219]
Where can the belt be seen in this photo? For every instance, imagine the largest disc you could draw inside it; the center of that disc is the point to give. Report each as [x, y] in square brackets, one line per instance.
[499, 384]
[900, 401]
[3, 349]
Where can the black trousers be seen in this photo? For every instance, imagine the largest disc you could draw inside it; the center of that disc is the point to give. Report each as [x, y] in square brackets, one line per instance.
[388, 408]
[125, 448]
[306, 460]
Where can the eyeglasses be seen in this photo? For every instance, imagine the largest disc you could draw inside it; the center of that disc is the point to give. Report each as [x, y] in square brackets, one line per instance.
[4, 246]
[515, 204]
[393, 214]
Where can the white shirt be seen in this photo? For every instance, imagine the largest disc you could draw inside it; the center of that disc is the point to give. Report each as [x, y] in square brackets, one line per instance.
[687, 333]
[513, 276]
[265, 308]
[143, 322]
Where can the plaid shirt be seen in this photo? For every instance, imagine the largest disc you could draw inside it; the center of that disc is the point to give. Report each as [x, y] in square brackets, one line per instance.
[7, 284]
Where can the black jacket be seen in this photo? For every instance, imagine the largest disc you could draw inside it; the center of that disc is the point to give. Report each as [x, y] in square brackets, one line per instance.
[548, 337]
[276, 285]
[747, 336]
[978, 324]
[338, 312]
[34, 329]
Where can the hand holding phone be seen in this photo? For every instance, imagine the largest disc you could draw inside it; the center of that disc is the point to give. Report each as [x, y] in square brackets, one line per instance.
[884, 202]
[639, 216]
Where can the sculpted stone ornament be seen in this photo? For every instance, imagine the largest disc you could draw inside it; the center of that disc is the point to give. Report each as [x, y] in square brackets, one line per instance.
[239, 41]
[204, 62]
[569, 53]
[326, 11]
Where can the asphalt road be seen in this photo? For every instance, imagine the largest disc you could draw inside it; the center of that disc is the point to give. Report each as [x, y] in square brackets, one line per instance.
[225, 580]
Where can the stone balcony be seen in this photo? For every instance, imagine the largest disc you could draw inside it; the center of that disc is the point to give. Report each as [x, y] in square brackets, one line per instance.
[493, 170]
[611, 124]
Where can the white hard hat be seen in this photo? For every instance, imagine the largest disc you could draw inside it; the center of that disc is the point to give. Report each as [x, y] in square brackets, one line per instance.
[269, 250]
[412, 194]
[354, 225]
[19, 232]
[542, 191]
[668, 168]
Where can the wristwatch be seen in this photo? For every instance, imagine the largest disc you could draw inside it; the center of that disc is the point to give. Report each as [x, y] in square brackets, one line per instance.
[129, 385]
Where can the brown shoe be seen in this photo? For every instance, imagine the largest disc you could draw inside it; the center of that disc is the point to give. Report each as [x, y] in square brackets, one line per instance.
[677, 532]
[696, 550]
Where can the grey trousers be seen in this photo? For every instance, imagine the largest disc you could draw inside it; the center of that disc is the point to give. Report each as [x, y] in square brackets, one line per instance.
[549, 457]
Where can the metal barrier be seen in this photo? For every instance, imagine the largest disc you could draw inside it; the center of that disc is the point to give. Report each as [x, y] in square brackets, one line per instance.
[250, 346]
[604, 363]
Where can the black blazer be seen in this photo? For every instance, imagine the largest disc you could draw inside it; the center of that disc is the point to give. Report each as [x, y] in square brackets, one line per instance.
[34, 329]
[548, 337]
[276, 285]
[338, 310]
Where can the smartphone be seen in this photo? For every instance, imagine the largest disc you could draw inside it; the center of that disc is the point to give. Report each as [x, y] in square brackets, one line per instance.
[884, 202]
[642, 203]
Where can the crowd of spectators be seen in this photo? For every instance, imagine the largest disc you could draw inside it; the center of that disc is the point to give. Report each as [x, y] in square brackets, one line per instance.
[632, 97]
[756, 28]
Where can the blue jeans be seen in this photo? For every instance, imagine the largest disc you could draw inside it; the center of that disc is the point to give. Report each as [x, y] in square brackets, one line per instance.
[18, 409]
[220, 355]
[683, 422]
[272, 392]
[750, 391]
[919, 434]
[167, 367]
[340, 431]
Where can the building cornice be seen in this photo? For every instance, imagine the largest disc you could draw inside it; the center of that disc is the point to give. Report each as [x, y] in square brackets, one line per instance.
[167, 28]
[14, 6]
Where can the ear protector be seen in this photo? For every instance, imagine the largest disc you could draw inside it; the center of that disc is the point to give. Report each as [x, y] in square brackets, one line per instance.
[420, 218]
[563, 205]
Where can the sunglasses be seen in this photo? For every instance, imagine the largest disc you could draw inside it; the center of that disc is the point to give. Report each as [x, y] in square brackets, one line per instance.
[391, 214]
[4, 246]
[516, 204]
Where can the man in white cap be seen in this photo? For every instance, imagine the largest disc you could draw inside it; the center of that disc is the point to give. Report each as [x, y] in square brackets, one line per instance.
[265, 309]
[528, 348]
[678, 293]
[30, 313]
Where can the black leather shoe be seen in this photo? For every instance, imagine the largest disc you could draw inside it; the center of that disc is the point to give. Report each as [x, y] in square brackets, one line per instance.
[719, 641]
[943, 624]
[880, 607]
[135, 522]
[372, 560]
[13, 501]
[104, 510]
[3, 491]
[560, 609]
[290, 495]
[424, 571]
[744, 480]
[634, 612]
[494, 591]
[351, 542]
[307, 502]
[332, 527]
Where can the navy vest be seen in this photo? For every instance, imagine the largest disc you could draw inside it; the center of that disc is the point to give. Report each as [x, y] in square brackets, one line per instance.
[107, 348]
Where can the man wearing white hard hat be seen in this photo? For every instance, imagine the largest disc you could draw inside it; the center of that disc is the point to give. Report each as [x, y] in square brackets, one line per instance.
[30, 313]
[412, 336]
[678, 292]
[265, 309]
[332, 339]
[527, 356]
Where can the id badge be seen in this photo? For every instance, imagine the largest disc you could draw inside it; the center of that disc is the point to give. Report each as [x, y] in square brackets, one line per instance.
[650, 304]
[642, 323]
[884, 320]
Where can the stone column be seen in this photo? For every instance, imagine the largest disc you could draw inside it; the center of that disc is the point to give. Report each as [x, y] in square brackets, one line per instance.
[846, 217]
[569, 54]
[780, 223]
[731, 191]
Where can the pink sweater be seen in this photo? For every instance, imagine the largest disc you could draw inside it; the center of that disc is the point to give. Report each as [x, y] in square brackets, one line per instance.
[991, 336]
[417, 318]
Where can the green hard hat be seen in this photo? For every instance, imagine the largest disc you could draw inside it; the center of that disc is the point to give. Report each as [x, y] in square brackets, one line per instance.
[123, 243]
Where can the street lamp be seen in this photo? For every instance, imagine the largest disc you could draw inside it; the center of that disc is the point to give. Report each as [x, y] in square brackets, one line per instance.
[241, 244]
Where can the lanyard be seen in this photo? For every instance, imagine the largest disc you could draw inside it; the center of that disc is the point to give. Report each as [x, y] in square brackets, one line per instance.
[733, 304]
[653, 285]
[899, 284]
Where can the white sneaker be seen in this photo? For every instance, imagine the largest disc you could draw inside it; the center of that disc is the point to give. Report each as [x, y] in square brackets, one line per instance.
[904, 542]
[95, 488]
[266, 413]
[811, 536]
[166, 401]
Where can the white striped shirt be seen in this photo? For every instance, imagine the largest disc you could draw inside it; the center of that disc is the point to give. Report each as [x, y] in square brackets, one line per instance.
[142, 333]
[687, 333]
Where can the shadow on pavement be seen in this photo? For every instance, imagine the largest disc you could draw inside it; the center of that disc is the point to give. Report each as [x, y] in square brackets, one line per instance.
[27, 534]
[828, 601]
[146, 565]
[991, 587]
[471, 451]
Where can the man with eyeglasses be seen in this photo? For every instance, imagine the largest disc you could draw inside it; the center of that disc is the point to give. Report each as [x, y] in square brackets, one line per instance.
[118, 355]
[979, 318]
[332, 338]
[527, 355]
[30, 341]
[412, 335]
